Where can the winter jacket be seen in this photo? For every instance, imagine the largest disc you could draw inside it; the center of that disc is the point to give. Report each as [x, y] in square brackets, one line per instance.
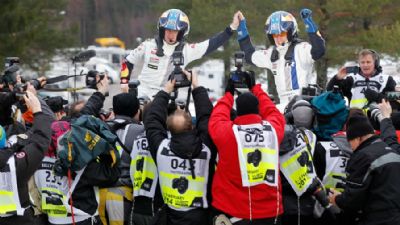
[229, 196]
[372, 183]
[186, 145]
[27, 161]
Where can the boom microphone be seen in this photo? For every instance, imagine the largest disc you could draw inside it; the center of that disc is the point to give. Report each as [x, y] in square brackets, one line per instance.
[84, 56]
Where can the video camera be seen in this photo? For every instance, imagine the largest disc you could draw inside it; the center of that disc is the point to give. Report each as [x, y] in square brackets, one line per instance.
[11, 67]
[238, 76]
[180, 78]
[91, 78]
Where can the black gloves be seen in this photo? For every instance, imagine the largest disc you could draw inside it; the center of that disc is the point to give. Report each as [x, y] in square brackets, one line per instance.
[230, 87]
[250, 79]
[373, 96]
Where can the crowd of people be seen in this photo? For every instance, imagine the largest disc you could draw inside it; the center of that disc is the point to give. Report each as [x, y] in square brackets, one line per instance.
[327, 159]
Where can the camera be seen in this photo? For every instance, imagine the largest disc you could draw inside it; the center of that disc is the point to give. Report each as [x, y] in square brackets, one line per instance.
[254, 157]
[10, 73]
[181, 184]
[352, 69]
[91, 78]
[55, 103]
[140, 164]
[311, 90]
[180, 78]
[238, 76]
[133, 87]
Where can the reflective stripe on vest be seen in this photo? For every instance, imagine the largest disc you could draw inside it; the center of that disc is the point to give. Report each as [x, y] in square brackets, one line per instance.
[9, 196]
[297, 165]
[179, 189]
[143, 169]
[335, 169]
[376, 83]
[53, 189]
[258, 153]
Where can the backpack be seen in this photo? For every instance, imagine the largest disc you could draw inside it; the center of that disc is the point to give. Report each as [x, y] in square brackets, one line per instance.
[88, 138]
[331, 114]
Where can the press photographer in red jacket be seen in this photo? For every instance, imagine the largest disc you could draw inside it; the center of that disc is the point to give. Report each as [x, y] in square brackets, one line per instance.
[247, 145]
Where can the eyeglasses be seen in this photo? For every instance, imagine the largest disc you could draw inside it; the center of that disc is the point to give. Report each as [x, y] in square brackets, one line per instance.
[283, 34]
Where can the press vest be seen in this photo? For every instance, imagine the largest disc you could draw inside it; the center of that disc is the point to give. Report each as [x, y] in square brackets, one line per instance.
[335, 170]
[258, 153]
[297, 165]
[360, 84]
[54, 190]
[9, 197]
[180, 189]
[143, 169]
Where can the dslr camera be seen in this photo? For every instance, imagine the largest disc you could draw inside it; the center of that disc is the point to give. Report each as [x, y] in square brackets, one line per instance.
[311, 90]
[181, 184]
[180, 78]
[254, 157]
[239, 76]
[91, 78]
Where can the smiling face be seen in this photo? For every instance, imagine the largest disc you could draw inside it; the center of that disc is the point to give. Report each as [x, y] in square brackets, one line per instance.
[171, 36]
[367, 64]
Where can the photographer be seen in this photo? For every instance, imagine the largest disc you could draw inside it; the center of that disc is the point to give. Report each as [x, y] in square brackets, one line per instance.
[254, 198]
[153, 56]
[18, 162]
[363, 84]
[117, 199]
[300, 184]
[185, 158]
[372, 181]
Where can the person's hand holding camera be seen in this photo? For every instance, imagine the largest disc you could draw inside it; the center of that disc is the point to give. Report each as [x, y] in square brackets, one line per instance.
[192, 76]
[250, 79]
[102, 85]
[32, 102]
[169, 86]
[341, 73]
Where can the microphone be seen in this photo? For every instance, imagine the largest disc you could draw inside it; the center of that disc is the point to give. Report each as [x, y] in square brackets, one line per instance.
[84, 56]
[12, 69]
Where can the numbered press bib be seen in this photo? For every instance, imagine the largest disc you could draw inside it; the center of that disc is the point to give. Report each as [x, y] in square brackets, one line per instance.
[180, 190]
[258, 154]
[336, 162]
[297, 165]
[143, 169]
[52, 189]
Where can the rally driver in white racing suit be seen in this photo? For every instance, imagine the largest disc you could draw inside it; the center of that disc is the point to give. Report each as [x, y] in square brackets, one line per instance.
[154, 55]
[290, 59]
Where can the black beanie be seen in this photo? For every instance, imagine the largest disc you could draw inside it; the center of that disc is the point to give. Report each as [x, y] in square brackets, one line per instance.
[126, 104]
[246, 103]
[358, 126]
